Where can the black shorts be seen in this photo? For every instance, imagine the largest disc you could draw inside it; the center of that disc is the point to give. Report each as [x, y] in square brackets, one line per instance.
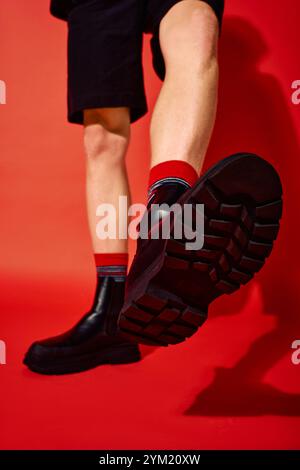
[105, 53]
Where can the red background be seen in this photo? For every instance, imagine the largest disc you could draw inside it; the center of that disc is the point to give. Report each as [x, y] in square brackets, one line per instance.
[233, 384]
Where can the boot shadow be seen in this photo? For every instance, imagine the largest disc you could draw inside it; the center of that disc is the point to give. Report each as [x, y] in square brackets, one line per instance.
[254, 116]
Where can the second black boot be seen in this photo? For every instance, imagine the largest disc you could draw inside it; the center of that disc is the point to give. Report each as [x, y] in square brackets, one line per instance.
[171, 286]
[93, 341]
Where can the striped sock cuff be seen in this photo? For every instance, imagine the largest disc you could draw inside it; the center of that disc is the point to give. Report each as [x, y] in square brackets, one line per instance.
[112, 271]
[159, 183]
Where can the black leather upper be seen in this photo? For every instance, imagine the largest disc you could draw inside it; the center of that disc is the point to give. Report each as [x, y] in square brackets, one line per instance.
[95, 331]
[148, 249]
[166, 193]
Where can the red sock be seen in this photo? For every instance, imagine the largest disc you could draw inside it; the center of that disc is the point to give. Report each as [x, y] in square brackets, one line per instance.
[173, 169]
[113, 264]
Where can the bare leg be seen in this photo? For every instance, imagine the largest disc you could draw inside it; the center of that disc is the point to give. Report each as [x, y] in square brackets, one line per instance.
[106, 138]
[184, 114]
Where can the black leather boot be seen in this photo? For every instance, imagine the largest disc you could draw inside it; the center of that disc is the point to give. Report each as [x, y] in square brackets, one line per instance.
[170, 287]
[92, 342]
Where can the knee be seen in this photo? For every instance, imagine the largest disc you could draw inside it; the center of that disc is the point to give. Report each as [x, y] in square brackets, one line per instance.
[106, 136]
[103, 146]
[189, 32]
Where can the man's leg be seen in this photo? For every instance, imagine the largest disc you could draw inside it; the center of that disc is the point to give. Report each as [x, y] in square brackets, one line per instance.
[94, 339]
[185, 111]
[171, 285]
[106, 139]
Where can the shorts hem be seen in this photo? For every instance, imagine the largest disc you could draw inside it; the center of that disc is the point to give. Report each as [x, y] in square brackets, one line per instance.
[138, 107]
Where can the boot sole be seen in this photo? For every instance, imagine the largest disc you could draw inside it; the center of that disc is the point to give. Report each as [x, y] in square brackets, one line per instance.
[242, 196]
[120, 355]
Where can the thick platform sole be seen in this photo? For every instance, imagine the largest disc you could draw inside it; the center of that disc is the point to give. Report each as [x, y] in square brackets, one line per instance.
[117, 355]
[242, 195]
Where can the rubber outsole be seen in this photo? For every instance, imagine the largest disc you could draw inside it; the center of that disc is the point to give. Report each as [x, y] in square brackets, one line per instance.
[242, 196]
[116, 356]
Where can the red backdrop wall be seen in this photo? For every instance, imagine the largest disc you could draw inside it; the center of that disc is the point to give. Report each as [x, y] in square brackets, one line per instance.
[233, 385]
